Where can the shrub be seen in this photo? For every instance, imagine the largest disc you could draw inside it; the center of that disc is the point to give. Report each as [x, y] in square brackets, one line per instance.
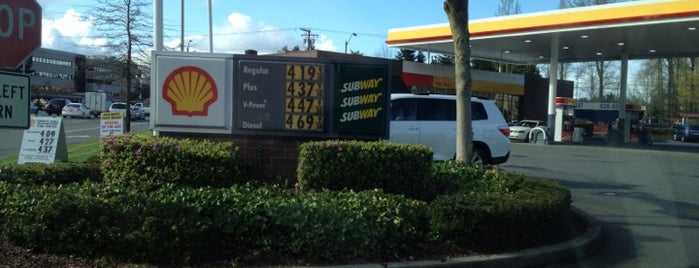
[56, 173]
[336, 165]
[92, 220]
[148, 162]
[176, 225]
[449, 177]
[501, 211]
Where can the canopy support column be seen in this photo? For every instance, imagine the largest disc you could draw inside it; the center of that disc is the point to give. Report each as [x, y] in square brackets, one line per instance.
[553, 82]
[622, 95]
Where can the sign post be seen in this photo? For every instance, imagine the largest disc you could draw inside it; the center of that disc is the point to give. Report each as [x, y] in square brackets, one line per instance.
[20, 31]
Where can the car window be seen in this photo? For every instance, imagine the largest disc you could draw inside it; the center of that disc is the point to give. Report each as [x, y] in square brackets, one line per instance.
[403, 109]
[436, 110]
[118, 106]
[478, 111]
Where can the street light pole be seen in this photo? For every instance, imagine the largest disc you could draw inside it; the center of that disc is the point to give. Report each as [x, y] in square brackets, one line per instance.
[347, 41]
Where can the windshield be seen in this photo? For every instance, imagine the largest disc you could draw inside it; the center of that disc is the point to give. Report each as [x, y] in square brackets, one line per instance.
[120, 106]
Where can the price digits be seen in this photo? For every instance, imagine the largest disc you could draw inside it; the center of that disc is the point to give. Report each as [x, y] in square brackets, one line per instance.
[297, 105]
[304, 122]
[48, 137]
[304, 72]
[300, 88]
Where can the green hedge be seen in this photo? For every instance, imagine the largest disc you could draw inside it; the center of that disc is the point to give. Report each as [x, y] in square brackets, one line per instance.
[175, 225]
[336, 165]
[56, 173]
[147, 162]
[500, 211]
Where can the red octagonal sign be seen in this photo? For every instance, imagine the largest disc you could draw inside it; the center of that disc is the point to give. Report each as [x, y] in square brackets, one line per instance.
[20, 30]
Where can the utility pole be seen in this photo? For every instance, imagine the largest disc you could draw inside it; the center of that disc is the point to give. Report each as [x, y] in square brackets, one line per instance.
[308, 38]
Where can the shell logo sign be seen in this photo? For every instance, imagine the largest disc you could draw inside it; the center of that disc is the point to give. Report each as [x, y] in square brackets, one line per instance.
[190, 91]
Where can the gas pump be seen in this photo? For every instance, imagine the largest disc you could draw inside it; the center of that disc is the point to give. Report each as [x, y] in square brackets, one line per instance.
[565, 119]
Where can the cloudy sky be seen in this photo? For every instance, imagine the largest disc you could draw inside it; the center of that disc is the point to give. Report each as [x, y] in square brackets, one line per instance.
[266, 25]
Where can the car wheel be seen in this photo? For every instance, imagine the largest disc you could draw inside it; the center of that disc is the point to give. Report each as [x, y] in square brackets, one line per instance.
[479, 157]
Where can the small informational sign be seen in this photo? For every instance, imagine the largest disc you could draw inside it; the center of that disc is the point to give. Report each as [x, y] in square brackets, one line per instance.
[111, 124]
[44, 141]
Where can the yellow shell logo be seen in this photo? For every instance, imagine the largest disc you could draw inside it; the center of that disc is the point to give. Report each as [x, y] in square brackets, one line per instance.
[190, 91]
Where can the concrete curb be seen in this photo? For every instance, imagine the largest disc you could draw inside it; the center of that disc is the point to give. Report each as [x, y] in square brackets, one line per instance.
[574, 249]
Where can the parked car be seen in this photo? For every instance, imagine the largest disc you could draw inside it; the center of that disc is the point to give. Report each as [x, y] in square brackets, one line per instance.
[119, 107]
[686, 132]
[33, 109]
[76, 109]
[520, 130]
[55, 106]
[431, 120]
[137, 113]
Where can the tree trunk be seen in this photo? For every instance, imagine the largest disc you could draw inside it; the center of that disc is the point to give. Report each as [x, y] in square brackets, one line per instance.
[457, 12]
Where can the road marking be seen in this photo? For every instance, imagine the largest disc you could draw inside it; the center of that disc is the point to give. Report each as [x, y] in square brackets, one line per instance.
[97, 128]
[82, 129]
[77, 136]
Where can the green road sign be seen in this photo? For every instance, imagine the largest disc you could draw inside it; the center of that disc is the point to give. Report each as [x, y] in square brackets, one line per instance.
[14, 100]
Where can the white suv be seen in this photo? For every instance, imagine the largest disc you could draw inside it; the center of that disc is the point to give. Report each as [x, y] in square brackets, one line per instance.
[431, 120]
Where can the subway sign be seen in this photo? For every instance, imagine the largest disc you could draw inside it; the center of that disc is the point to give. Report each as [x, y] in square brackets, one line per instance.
[361, 97]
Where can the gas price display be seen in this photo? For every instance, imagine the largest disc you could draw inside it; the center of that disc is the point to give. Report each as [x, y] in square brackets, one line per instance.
[304, 97]
[274, 95]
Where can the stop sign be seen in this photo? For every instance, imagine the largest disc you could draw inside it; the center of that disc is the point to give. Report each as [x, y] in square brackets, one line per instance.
[20, 30]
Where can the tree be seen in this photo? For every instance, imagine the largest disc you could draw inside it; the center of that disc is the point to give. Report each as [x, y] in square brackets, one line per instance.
[443, 60]
[457, 12]
[688, 87]
[508, 7]
[405, 55]
[601, 66]
[285, 49]
[126, 25]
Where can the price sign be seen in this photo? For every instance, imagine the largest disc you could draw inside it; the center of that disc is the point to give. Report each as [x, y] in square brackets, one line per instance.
[44, 141]
[274, 95]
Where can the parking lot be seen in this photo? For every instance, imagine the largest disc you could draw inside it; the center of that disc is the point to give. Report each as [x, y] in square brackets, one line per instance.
[644, 197]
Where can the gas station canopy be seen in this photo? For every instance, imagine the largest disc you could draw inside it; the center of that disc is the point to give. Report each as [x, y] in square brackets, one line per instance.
[642, 29]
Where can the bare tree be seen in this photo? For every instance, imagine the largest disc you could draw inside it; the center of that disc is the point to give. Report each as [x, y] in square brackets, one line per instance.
[126, 24]
[383, 52]
[508, 7]
[601, 66]
[457, 12]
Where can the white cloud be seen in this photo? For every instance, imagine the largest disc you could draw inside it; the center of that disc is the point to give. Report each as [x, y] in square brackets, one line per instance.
[240, 32]
[325, 43]
[71, 32]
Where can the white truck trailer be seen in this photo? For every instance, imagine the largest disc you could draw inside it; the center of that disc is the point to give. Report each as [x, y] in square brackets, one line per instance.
[98, 102]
